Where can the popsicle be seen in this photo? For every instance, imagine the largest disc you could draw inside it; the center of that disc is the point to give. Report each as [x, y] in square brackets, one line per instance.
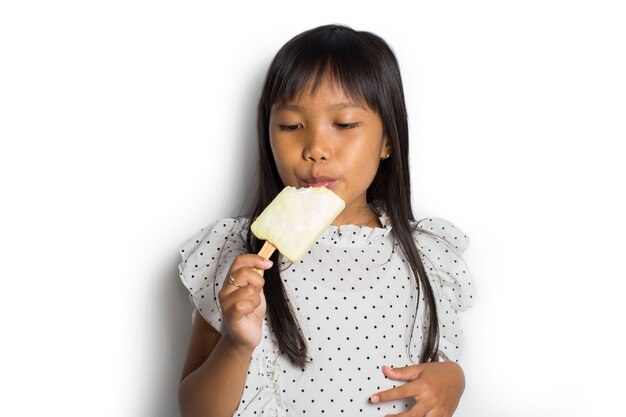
[295, 219]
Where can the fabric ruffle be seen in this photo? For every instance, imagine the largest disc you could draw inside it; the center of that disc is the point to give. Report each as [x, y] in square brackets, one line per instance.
[441, 246]
[351, 235]
[262, 392]
[206, 258]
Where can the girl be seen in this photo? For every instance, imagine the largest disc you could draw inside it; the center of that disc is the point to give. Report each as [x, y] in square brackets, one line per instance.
[365, 324]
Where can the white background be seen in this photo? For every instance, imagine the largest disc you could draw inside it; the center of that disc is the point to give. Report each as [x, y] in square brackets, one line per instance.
[126, 126]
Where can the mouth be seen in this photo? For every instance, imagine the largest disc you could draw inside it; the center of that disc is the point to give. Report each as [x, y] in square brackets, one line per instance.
[320, 182]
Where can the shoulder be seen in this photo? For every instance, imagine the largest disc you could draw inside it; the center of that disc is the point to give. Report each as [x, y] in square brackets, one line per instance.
[229, 226]
[213, 245]
[435, 231]
[429, 230]
[215, 235]
[205, 259]
[441, 245]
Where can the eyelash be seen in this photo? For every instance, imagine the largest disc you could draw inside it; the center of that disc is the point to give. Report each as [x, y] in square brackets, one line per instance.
[348, 125]
[291, 128]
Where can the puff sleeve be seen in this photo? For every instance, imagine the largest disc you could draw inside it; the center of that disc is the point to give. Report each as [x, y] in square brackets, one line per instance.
[206, 258]
[441, 245]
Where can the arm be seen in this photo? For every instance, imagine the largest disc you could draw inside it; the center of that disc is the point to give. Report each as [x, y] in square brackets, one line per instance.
[213, 375]
[216, 366]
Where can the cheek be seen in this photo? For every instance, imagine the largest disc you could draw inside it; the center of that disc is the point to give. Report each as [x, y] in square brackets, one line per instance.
[372, 165]
[282, 153]
[366, 157]
[284, 159]
[362, 170]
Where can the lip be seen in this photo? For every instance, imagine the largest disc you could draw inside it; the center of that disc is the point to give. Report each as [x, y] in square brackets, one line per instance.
[327, 182]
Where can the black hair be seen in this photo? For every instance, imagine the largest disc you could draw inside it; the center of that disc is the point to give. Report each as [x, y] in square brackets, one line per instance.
[366, 69]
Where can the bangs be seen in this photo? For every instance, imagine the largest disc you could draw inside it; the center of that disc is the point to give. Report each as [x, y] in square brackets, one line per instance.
[305, 62]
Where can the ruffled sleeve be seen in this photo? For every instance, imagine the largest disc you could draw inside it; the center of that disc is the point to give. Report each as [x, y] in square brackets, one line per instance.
[441, 245]
[206, 258]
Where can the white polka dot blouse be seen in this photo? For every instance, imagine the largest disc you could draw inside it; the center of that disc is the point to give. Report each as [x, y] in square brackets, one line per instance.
[355, 298]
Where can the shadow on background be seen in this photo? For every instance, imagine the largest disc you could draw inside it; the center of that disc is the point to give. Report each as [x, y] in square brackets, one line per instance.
[172, 308]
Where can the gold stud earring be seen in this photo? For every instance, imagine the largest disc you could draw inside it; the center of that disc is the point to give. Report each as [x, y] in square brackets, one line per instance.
[385, 157]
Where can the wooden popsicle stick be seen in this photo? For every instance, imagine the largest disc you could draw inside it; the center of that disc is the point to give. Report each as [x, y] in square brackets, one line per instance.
[266, 251]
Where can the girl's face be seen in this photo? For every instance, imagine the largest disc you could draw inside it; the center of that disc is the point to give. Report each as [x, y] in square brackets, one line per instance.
[327, 140]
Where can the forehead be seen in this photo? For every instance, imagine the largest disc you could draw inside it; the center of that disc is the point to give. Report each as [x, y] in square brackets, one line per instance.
[327, 94]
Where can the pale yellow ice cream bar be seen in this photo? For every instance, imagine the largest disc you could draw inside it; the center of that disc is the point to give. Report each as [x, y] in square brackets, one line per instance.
[295, 219]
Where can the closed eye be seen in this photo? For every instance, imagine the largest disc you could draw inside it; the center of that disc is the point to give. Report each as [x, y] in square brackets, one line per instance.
[290, 128]
[348, 125]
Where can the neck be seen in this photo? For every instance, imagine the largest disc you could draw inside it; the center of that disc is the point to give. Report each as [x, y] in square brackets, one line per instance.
[359, 216]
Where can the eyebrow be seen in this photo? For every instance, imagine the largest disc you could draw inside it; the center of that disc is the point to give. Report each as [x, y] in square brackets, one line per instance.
[342, 105]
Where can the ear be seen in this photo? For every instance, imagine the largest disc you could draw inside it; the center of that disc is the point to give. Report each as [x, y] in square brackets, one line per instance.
[385, 151]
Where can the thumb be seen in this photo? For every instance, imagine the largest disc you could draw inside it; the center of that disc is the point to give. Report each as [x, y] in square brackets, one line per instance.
[405, 373]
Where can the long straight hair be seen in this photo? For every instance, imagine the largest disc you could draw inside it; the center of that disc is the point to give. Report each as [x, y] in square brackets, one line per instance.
[365, 67]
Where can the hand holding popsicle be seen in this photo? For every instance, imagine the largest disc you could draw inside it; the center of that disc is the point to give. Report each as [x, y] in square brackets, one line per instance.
[291, 223]
[242, 300]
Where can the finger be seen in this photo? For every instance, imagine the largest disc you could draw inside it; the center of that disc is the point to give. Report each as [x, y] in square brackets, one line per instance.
[415, 411]
[240, 309]
[235, 310]
[405, 373]
[435, 413]
[245, 277]
[241, 278]
[242, 263]
[396, 393]
[251, 293]
[250, 260]
[245, 292]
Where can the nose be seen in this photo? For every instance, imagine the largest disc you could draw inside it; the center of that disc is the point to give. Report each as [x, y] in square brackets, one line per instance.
[317, 146]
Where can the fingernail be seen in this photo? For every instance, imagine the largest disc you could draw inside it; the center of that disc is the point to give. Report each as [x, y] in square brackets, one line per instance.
[374, 399]
[268, 263]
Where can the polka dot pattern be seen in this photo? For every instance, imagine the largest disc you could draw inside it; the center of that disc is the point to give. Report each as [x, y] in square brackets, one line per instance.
[355, 299]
